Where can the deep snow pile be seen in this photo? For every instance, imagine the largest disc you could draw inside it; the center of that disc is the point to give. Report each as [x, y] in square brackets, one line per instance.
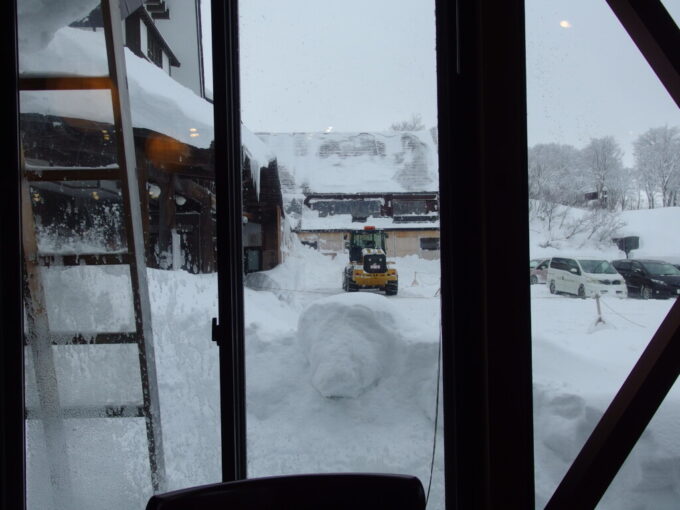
[349, 341]
[373, 357]
[577, 371]
[658, 232]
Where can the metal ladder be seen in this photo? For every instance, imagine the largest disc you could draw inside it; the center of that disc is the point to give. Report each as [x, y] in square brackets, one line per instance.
[38, 336]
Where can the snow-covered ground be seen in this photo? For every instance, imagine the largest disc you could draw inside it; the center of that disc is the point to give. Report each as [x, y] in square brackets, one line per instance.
[336, 382]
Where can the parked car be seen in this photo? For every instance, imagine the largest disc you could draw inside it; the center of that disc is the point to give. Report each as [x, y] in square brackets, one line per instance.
[649, 278]
[538, 270]
[584, 277]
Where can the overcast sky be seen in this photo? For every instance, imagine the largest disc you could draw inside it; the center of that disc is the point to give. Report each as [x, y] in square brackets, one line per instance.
[359, 65]
[355, 65]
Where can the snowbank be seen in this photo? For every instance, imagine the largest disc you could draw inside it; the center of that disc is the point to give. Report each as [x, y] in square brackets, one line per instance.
[657, 229]
[658, 232]
[349, 341]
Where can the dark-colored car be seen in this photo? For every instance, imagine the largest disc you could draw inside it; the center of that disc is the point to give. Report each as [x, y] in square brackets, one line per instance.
[538, 269]
[649, 278]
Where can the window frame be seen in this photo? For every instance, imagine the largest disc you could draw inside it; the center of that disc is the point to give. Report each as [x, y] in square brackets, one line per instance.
[484, 461]
[482, 128]
[12, 432]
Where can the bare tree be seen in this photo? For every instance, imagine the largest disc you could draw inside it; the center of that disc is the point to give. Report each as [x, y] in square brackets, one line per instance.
[602, 165]
[657, 163]
[415, 123]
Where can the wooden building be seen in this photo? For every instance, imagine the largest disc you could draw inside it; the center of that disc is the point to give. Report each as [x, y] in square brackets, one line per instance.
[177, 187]
[411, 220]
[262, 217]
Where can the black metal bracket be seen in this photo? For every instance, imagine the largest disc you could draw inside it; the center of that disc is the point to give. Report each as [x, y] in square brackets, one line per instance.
[217, 332]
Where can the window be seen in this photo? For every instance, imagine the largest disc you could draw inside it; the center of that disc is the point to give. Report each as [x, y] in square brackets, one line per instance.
[154, 50]
[469, 468]
[585, 60]
[429, 243]
[349, 379]
[121, 386]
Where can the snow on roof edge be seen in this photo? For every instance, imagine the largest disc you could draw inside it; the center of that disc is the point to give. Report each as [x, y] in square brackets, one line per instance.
[258, 153]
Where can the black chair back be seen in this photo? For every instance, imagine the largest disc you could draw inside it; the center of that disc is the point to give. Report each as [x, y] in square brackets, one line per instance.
[345, 491]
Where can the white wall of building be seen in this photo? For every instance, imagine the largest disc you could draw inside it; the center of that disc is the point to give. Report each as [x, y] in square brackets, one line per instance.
[182, 35]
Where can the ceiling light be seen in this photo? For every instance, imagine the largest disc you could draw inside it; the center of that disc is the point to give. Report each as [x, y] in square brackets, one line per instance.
[565, 24]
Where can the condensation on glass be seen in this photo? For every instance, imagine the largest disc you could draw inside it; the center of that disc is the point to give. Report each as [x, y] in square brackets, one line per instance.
[121, 376]
[604, 186]
[341, 238]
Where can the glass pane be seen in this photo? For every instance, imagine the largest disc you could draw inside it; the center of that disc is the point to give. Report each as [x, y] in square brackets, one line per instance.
[604, 179]
[341, 231]
[650, 476]
[673, 9]
[100, 355]
[78, 217]
[47, 45]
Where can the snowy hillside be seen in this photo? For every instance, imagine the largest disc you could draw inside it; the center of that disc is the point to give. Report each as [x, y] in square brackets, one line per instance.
[357, 162]
[659, 232]
[558, 229]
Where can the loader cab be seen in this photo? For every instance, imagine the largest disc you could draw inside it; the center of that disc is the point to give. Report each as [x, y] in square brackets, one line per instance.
[369, 237]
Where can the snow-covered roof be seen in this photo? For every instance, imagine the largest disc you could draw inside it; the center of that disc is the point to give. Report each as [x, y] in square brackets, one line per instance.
[310, 220]
[259, 155]
[157, 101]
[357, 162]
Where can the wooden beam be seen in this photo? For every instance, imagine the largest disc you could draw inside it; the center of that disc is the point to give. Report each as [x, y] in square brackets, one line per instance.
[657, 37]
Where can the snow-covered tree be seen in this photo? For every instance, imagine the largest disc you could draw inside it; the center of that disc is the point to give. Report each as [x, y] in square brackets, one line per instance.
[602, 165]
[657, 164]
[622, 191]
[554, 174]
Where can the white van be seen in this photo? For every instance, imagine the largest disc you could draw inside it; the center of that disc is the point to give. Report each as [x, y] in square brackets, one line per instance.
[585, 277]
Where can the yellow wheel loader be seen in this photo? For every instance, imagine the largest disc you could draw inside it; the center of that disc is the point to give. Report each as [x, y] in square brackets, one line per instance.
[368, 267]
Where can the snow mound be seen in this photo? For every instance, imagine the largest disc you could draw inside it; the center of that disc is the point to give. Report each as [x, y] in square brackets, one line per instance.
[655, 227]
[349, 340]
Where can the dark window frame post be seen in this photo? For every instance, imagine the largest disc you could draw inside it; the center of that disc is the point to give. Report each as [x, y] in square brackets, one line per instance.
[484, 213]
[12, 434]
[229, 332]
